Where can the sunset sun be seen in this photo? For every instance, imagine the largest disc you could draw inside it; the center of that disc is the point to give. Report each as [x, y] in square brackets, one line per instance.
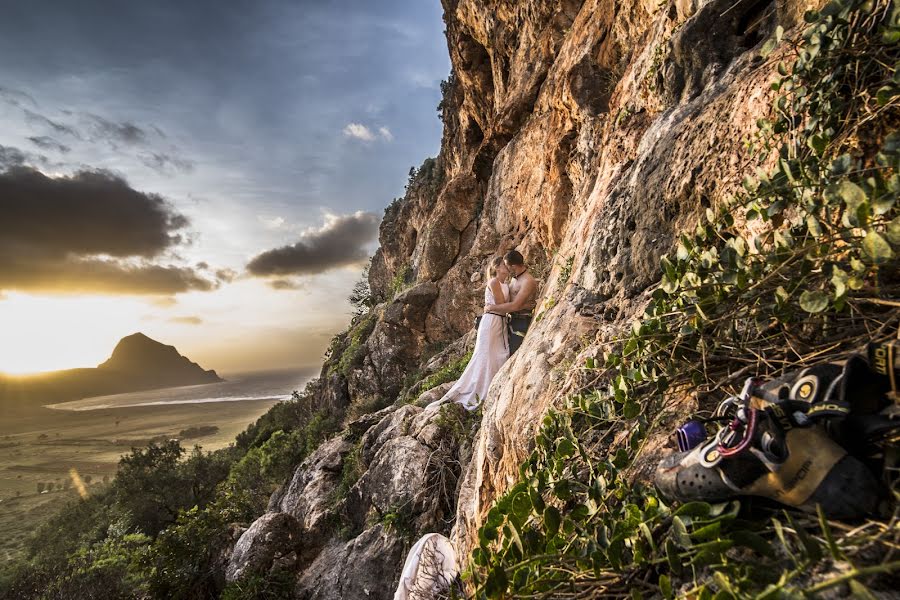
[51, 333]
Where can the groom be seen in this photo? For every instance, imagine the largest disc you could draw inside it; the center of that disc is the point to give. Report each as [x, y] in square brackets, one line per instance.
[522, 290]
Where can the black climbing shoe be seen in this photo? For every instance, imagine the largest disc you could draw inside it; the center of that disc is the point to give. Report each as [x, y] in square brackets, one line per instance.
[771, 450]
[854, 402]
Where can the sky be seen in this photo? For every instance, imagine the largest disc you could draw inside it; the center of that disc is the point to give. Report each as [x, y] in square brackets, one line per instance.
[209, 173]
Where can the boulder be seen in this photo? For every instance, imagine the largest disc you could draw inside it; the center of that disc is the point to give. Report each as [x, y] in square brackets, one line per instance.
[272, 537]
[364, 568]
[309, 496]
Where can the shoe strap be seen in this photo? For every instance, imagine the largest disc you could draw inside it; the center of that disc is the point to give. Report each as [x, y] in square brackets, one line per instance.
[883, 359]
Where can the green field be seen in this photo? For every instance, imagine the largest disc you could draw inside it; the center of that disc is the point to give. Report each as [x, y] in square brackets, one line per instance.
[42, 446]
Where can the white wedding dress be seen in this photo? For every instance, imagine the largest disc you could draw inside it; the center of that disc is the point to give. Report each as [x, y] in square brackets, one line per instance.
[491, 351]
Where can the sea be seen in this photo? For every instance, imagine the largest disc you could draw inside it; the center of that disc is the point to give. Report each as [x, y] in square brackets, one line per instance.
[246, 387]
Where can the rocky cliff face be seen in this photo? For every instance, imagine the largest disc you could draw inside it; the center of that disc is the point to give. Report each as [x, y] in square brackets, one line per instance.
[586, 134]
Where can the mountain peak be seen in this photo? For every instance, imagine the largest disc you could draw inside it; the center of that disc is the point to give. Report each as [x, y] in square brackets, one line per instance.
[138, 354]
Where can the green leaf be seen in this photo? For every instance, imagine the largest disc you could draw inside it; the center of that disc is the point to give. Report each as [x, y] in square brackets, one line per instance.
[841, 164]
[537, 501]
[565, 448]
[833, 548]
[631, 409]
[552, 520]
[817, 144]
[680, 532]
[810, 546]
[813, 225]
[890, 36]
[853, 198]
[877, 248]
[893, 231]
[668, 285]
[767, 48]
[839, 281]
[883, 203]
[831, 9]
[754, 541]
[884, 94]
[860, 592]
[694, 509]
[615, 551]
[672, 556]
[665, 587]
[813, 301]
[521, 506]
[496, 583]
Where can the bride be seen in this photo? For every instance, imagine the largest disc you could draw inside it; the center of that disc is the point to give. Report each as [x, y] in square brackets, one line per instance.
[491, 345]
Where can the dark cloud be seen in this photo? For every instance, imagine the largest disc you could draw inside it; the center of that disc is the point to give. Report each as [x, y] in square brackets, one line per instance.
[73, 275]
[341, 242]
[14, 157]
[45, 142]
[89, 232]
[123, 132]
[166, 163]
[40, 120]
[191, 320]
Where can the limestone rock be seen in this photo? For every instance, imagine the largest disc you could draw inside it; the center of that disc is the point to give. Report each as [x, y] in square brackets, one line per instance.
[435, 393]
[308, 497]
[366, 567]
[392, 425]
[272, 537]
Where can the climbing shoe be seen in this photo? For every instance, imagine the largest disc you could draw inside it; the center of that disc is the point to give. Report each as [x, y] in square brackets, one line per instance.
[855, 402]
[771, 448]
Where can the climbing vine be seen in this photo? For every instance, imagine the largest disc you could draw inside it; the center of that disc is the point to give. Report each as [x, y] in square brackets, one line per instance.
[798, 266]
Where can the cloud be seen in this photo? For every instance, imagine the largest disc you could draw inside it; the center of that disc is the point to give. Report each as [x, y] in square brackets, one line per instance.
[166, 163]
[14, 157]
[164, 302]
[225, 275]
[340, 242]
[39, 119]
[286, 284]
[45, 142]
[73, 275]
[123, 132]
[366, 134]
[359, 131]
[190, 320]
[15, 97]
[88, 232]
[271, 222]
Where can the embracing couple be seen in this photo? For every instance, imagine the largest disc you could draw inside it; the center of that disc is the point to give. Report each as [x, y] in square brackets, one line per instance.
[509, 299]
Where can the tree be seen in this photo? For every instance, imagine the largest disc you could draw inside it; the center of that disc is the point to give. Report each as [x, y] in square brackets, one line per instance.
[148, 486]
[361, 297]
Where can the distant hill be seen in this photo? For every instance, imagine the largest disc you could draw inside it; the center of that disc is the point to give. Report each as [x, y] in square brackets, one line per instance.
[141, 356]
[137, 363]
